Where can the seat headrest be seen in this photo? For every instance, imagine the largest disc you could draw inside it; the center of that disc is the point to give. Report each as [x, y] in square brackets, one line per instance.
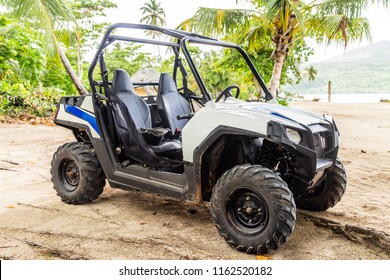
[121, 81]
[166, 84]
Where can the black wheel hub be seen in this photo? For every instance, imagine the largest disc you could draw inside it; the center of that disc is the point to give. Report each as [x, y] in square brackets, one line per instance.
[70, 174]
[247, 211]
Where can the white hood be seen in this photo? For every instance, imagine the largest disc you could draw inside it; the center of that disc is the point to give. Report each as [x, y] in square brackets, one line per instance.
[248, 116]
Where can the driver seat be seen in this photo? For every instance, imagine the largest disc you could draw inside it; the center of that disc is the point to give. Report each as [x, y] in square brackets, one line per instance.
[132, 115]
[171, 103]
[137, 107]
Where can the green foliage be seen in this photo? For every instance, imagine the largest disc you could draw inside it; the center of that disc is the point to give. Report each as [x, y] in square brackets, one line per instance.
[222, 67]
[128, 57]
[31, 75]
[17, 99]
[30, 83]
[56, 77]
[166, 65]
[214, 22]
[228, 67]
[281, 26]
[282, 101]
[47, 18]
[87, 31]
[214, 73]
[86, 10]
[21, 56]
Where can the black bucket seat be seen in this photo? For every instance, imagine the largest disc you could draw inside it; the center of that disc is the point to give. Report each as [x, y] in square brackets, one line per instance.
[171, 104]
[131, 117]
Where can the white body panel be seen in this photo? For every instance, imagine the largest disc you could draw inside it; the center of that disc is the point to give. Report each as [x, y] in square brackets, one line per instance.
[250, 116]
[88, 104]
[87, 109]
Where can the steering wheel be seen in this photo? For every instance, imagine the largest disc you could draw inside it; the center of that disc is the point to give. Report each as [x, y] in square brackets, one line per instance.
[227, 92]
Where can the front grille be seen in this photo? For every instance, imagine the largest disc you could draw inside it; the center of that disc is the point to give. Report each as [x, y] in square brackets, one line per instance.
[322, 143]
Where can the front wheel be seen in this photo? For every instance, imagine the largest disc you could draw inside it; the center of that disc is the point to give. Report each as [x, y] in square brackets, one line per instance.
[76, 173]
[253, 209]
[328, 193]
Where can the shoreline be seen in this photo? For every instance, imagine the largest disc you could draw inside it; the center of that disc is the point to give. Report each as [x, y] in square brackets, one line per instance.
[343, 97]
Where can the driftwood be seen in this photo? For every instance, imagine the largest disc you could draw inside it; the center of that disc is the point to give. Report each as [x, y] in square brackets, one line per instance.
[9, 162]
[7, 169]
[53, 252]
[4, 257]
[362, 235]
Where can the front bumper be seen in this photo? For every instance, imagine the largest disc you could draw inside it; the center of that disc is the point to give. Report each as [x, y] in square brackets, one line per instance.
[314, 156]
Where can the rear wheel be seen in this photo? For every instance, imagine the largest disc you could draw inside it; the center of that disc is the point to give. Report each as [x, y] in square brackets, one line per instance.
[253, 209]
[76, 173]
[328, 193]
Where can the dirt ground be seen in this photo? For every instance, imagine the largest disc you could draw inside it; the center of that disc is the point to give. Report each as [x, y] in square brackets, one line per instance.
[36, 224]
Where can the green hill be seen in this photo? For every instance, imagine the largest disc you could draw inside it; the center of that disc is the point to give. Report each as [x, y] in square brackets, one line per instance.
[362, 70]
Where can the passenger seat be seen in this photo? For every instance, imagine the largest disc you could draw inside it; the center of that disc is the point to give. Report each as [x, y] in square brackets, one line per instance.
[171, 103]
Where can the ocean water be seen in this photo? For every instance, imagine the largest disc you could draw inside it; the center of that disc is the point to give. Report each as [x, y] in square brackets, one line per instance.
[349, 97]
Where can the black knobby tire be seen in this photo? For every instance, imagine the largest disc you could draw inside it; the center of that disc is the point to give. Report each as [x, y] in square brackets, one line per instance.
[329, 192]
[253, 209]
[76, 173]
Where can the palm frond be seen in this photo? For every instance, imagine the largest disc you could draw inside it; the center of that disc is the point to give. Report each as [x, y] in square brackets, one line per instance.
[258, 36]
[46, 17]
[359, 29]
[339, 28]
[349, 8]
[384, 3]
[217, 22]
[153, 14]
[56, 12]
[298, 9]
[15, 68]
[7, 29]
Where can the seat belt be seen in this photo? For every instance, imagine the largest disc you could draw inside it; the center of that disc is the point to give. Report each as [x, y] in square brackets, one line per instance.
[110, 106]
[184, 79]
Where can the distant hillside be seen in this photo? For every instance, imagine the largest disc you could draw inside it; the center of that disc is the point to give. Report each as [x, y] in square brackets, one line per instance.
[362, 70]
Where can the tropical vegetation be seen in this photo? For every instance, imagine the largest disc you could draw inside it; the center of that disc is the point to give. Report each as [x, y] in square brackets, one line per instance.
[43, 44]
[38, 57]
[282, 25]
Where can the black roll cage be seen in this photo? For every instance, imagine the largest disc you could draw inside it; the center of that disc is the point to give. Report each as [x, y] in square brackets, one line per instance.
[183, 37]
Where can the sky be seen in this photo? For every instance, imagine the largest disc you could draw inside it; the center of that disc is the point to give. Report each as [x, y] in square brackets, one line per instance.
[177, 11]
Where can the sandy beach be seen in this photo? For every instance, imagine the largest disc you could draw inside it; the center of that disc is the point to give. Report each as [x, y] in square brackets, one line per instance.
[36, 224]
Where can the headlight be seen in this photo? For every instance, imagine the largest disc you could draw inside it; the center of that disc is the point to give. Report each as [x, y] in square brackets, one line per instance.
[293, 135]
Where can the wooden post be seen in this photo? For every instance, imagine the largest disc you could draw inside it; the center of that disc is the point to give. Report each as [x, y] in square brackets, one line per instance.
[329, 91]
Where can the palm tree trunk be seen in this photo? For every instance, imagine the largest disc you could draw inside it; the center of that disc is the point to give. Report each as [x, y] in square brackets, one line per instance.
[277, 71]
[79, 66]
[78, 50]
[259, 92]
[73, 76]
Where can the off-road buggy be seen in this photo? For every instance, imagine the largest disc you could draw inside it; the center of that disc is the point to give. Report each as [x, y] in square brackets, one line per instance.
[254, 161]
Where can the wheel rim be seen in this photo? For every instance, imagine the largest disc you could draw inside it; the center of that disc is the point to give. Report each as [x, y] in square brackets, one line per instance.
[247, 211]
[70, 174]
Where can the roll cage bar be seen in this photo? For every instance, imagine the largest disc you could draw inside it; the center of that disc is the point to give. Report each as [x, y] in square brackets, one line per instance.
[182, 37]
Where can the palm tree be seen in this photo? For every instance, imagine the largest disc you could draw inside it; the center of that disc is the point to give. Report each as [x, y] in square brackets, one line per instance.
[48, 17]
[286, 21]
[310, 73]
[153, 14]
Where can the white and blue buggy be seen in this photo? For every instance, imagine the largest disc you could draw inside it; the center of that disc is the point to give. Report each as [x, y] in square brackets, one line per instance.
[254, 161]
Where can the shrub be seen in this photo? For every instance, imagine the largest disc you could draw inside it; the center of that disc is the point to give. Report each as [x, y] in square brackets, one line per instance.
[17, 99]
